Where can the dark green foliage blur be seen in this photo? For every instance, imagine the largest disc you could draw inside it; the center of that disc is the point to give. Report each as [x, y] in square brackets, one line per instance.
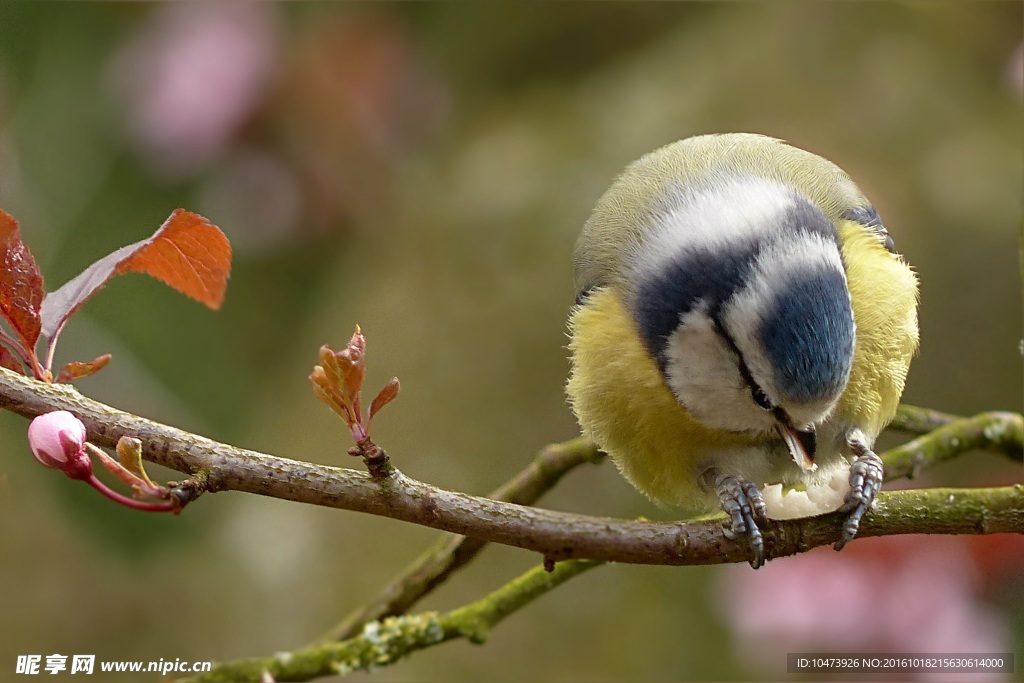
[422, 169]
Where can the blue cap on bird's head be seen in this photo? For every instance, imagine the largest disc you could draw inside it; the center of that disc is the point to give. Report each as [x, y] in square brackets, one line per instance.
[807, 334]
[750, 321]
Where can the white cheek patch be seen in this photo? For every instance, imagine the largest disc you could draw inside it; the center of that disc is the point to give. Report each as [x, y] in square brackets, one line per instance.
[703, 374]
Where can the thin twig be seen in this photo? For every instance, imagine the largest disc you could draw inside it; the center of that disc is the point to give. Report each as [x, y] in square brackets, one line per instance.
[385, 642]
[915, 420]
[996, 431]
[448, 554]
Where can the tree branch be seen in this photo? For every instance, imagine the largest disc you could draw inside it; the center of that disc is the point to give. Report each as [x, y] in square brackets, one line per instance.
[996, 431]
[576, 542]
[557, 536]
[384, 642]
[435, 565]
[917, 420]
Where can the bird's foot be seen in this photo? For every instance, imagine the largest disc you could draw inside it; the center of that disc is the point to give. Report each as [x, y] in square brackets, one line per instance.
[865, 482]
[742, 501]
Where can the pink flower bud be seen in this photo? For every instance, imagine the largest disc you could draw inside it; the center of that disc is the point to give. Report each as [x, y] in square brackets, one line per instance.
[57, 440]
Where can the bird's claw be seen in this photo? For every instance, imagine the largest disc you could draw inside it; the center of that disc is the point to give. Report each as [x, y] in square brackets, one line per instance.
[743, 503]
[865, 482]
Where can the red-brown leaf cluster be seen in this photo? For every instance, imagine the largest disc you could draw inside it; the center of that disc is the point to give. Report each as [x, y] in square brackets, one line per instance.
[187, 253]
[338, 382]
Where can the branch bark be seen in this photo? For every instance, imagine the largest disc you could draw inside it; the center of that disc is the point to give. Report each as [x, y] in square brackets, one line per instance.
[557, 536]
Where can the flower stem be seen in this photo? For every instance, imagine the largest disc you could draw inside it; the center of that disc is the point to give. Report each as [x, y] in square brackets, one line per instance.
[129, 502]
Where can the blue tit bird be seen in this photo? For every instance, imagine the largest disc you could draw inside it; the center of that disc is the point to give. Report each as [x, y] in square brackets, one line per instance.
[743, 323]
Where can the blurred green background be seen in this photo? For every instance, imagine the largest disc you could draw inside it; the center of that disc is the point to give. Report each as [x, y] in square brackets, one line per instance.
[422, 170]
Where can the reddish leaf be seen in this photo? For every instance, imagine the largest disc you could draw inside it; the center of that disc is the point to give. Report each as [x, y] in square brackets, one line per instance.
[385, 396]
[21, 284]
[188, 253]
[10, 361]
[78, 370]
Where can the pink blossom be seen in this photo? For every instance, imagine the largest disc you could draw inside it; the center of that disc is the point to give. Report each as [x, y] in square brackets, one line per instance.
[57, 440]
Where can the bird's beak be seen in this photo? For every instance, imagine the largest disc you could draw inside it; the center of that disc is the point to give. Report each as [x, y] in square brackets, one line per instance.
[801, 444]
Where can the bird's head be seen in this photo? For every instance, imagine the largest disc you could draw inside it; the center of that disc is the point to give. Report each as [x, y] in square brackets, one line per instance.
[740, 295]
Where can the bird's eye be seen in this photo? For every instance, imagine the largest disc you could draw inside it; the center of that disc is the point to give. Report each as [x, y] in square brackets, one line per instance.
[761, 398]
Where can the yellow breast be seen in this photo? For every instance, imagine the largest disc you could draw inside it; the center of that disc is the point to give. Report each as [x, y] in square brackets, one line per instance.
[623, 404]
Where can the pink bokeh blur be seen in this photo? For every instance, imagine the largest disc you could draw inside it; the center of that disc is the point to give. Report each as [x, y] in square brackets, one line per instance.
[911, 594]
[191, 76]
